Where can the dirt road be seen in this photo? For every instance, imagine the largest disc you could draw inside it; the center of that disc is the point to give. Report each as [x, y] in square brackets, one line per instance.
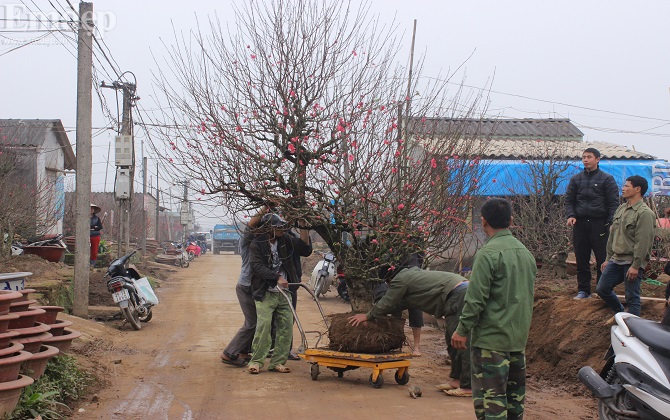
[171, 368]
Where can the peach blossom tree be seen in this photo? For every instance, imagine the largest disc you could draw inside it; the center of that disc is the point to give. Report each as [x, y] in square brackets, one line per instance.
[304, 104]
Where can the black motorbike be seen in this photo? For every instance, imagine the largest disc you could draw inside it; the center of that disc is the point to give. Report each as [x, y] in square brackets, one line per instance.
[126, 293]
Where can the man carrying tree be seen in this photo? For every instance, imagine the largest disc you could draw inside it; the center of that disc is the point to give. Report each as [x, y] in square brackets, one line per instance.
[435, 292]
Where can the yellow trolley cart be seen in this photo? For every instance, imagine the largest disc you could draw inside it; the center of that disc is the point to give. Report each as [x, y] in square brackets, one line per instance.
[341, 362]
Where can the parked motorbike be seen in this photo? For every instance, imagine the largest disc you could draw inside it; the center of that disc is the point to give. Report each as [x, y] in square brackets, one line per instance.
[55, 240]
[181, 254]
[203, 246]
[326, 274]
[131, 292]
[635, 382]
[193, 250]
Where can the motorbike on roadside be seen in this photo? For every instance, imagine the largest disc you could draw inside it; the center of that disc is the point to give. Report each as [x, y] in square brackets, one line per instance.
[53, 240]
[131, 292]
[203, 246]
[192, 250]
[326, 274]
[182, 259]
[635, 382]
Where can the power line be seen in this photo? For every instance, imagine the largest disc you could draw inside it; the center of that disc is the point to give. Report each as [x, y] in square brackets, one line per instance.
[26, 44]
[553, 102]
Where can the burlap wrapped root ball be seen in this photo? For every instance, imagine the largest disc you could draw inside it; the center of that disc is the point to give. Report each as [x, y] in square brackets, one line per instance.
[381, 335]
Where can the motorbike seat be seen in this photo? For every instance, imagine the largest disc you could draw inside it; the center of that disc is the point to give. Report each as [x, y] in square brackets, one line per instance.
[651, 333]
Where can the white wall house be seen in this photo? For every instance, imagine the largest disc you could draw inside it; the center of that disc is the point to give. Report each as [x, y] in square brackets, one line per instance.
[45, 156]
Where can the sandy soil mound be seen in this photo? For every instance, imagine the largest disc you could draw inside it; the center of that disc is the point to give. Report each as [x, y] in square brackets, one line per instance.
[31, 263]
[567, 334]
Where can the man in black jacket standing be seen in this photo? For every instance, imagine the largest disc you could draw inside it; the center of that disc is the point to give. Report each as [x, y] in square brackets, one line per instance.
[591, 199]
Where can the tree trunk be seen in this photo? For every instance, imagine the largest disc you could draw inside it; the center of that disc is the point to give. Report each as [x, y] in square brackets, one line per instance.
[2, 243]
[360, 293]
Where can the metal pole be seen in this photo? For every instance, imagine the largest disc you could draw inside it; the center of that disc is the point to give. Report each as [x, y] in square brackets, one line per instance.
[408, 104]
[84, 159]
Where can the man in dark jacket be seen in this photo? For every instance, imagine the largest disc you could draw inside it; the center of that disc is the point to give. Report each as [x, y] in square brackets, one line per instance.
[591, 199]
[271, 258]
[239, 348]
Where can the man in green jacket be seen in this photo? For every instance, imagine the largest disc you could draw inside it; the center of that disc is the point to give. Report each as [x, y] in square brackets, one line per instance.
[435, 292]
[628, 247]
[496, 316]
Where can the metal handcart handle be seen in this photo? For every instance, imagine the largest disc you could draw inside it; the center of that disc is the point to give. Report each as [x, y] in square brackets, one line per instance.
[304, 346]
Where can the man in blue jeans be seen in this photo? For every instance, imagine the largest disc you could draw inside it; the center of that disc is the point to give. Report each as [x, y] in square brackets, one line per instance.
[628, 247]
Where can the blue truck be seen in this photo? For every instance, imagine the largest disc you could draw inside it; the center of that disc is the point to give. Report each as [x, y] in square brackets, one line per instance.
[225, 238]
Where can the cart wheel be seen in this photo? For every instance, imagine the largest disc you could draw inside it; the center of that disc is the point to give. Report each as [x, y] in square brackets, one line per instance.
[404, 379]
[314, 371]
[379, 383]
[340, 374]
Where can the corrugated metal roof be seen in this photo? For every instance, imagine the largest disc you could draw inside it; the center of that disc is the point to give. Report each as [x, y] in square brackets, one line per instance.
[32, 133]
[530, 149]
[554, 129]
[568, 150]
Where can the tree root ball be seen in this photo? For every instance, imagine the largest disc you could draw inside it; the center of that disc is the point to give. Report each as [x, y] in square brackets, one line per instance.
[381, 335]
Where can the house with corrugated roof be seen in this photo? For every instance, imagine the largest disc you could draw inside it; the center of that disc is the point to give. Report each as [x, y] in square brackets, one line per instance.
[41, 155]
[507, 146]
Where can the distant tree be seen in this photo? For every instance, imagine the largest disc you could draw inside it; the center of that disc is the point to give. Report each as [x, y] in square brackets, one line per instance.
[27, 206]
[302, 104]
[539, 210]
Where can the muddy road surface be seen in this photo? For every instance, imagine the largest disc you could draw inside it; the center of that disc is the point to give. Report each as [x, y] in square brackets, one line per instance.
[170, 369]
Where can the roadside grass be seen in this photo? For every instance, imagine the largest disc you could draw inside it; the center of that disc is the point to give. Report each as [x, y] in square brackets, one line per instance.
[63, 295]
[62, 382]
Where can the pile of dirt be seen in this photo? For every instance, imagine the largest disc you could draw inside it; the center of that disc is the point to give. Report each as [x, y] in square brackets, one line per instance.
[381, 335]
[30, 263]
[567, 334]
[98, 295]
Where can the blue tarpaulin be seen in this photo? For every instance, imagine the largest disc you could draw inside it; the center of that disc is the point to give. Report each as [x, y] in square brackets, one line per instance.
[514, 177]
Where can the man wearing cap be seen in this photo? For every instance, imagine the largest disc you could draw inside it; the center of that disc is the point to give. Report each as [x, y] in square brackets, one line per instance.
[96, 227]
[591, 199]
[271, 258]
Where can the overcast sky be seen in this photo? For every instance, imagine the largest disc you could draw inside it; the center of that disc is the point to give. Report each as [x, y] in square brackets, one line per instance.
[603, 64]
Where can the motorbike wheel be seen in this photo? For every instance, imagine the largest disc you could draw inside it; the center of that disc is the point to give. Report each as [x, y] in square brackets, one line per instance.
[147, 317]
[623, 401]
[318, 287]
[342, 291]
[191, 255]
[130, 313]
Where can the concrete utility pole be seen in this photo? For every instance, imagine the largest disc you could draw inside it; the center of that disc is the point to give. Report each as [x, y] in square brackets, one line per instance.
[125, 162]
[143, 239]
[185, 214]
[127, 129]
[158, 208]
[84, 160]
